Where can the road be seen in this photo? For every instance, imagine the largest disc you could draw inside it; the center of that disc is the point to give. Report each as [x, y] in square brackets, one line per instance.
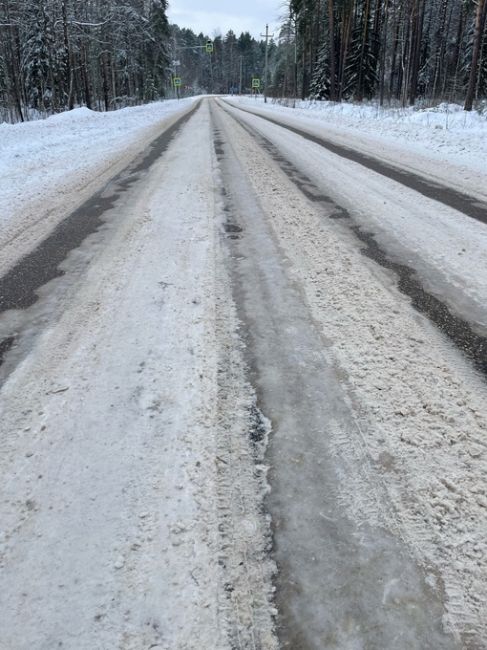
[237, 414]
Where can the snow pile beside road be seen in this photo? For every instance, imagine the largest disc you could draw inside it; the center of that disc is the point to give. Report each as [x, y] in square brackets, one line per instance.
[46, 165]
[445, 131]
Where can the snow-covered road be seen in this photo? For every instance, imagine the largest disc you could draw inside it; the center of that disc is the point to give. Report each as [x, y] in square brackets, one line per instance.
[50, 167]
[224, 426]
[420, 224]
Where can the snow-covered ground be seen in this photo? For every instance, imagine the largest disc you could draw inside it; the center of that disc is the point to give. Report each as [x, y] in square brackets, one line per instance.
[48, 167]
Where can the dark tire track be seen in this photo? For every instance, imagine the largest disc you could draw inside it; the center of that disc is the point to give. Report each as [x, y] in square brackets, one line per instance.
[19, 286]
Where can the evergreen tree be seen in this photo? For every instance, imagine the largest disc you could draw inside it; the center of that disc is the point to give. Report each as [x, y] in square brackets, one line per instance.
[320, 87]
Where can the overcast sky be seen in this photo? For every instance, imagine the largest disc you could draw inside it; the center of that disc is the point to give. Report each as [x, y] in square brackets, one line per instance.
[208, 16]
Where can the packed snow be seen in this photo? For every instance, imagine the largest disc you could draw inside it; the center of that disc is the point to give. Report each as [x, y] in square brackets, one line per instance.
[127, 508]
[350, 573]
[420, 412]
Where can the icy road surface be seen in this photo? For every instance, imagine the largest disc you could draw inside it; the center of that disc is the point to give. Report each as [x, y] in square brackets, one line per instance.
[243, 404]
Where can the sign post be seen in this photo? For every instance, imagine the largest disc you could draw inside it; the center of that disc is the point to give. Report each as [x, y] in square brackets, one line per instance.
[177, 84]
[255, 86]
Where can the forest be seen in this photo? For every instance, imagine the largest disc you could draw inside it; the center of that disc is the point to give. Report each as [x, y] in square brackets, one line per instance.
[393, 50]
[58, 54]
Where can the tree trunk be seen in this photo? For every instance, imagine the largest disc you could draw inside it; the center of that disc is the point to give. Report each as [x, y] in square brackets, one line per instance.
[86, 82]
[440, 40]
[383, 52]
[345, 42]
[105, 77]
[477, 40]
[331, 36]
[363, 50]
[417, 33]
[68, 57]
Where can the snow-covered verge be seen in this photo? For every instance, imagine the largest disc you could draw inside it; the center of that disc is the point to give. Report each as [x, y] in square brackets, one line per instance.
[48, 167]
[419, 138]
[131, 505]
[420, 411]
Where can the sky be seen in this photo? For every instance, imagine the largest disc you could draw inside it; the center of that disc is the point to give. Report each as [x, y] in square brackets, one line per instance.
[218, 16]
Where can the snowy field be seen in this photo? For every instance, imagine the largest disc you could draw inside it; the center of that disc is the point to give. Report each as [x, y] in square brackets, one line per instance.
[47, 167]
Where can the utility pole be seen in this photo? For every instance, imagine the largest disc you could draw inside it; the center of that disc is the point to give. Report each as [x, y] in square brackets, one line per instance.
[295, 61]
[175, 63]
[267, 36]
[241, 75]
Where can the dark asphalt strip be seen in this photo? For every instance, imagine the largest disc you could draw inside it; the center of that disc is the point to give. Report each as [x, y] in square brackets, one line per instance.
[473, 345]
[5, 346]
[464, 203]
[18, 288]
[458, 330]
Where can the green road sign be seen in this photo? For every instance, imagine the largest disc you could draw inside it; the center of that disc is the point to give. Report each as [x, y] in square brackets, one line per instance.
[256, 84]
[177, 82]
[209, 47]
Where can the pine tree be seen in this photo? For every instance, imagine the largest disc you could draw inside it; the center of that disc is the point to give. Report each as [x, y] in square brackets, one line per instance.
[38, 60]
[320, 87]
[361, 71]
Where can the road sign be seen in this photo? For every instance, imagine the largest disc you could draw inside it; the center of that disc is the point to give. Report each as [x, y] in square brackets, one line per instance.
[177, 82]
[209, 47]
[256, 84]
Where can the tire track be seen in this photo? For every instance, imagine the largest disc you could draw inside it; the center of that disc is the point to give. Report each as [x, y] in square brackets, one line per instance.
[462, 333]
[460, 201]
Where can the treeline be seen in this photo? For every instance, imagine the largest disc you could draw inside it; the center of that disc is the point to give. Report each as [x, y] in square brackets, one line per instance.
[57, 54]
[105, 54]
[230, 67]
[395, 50]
